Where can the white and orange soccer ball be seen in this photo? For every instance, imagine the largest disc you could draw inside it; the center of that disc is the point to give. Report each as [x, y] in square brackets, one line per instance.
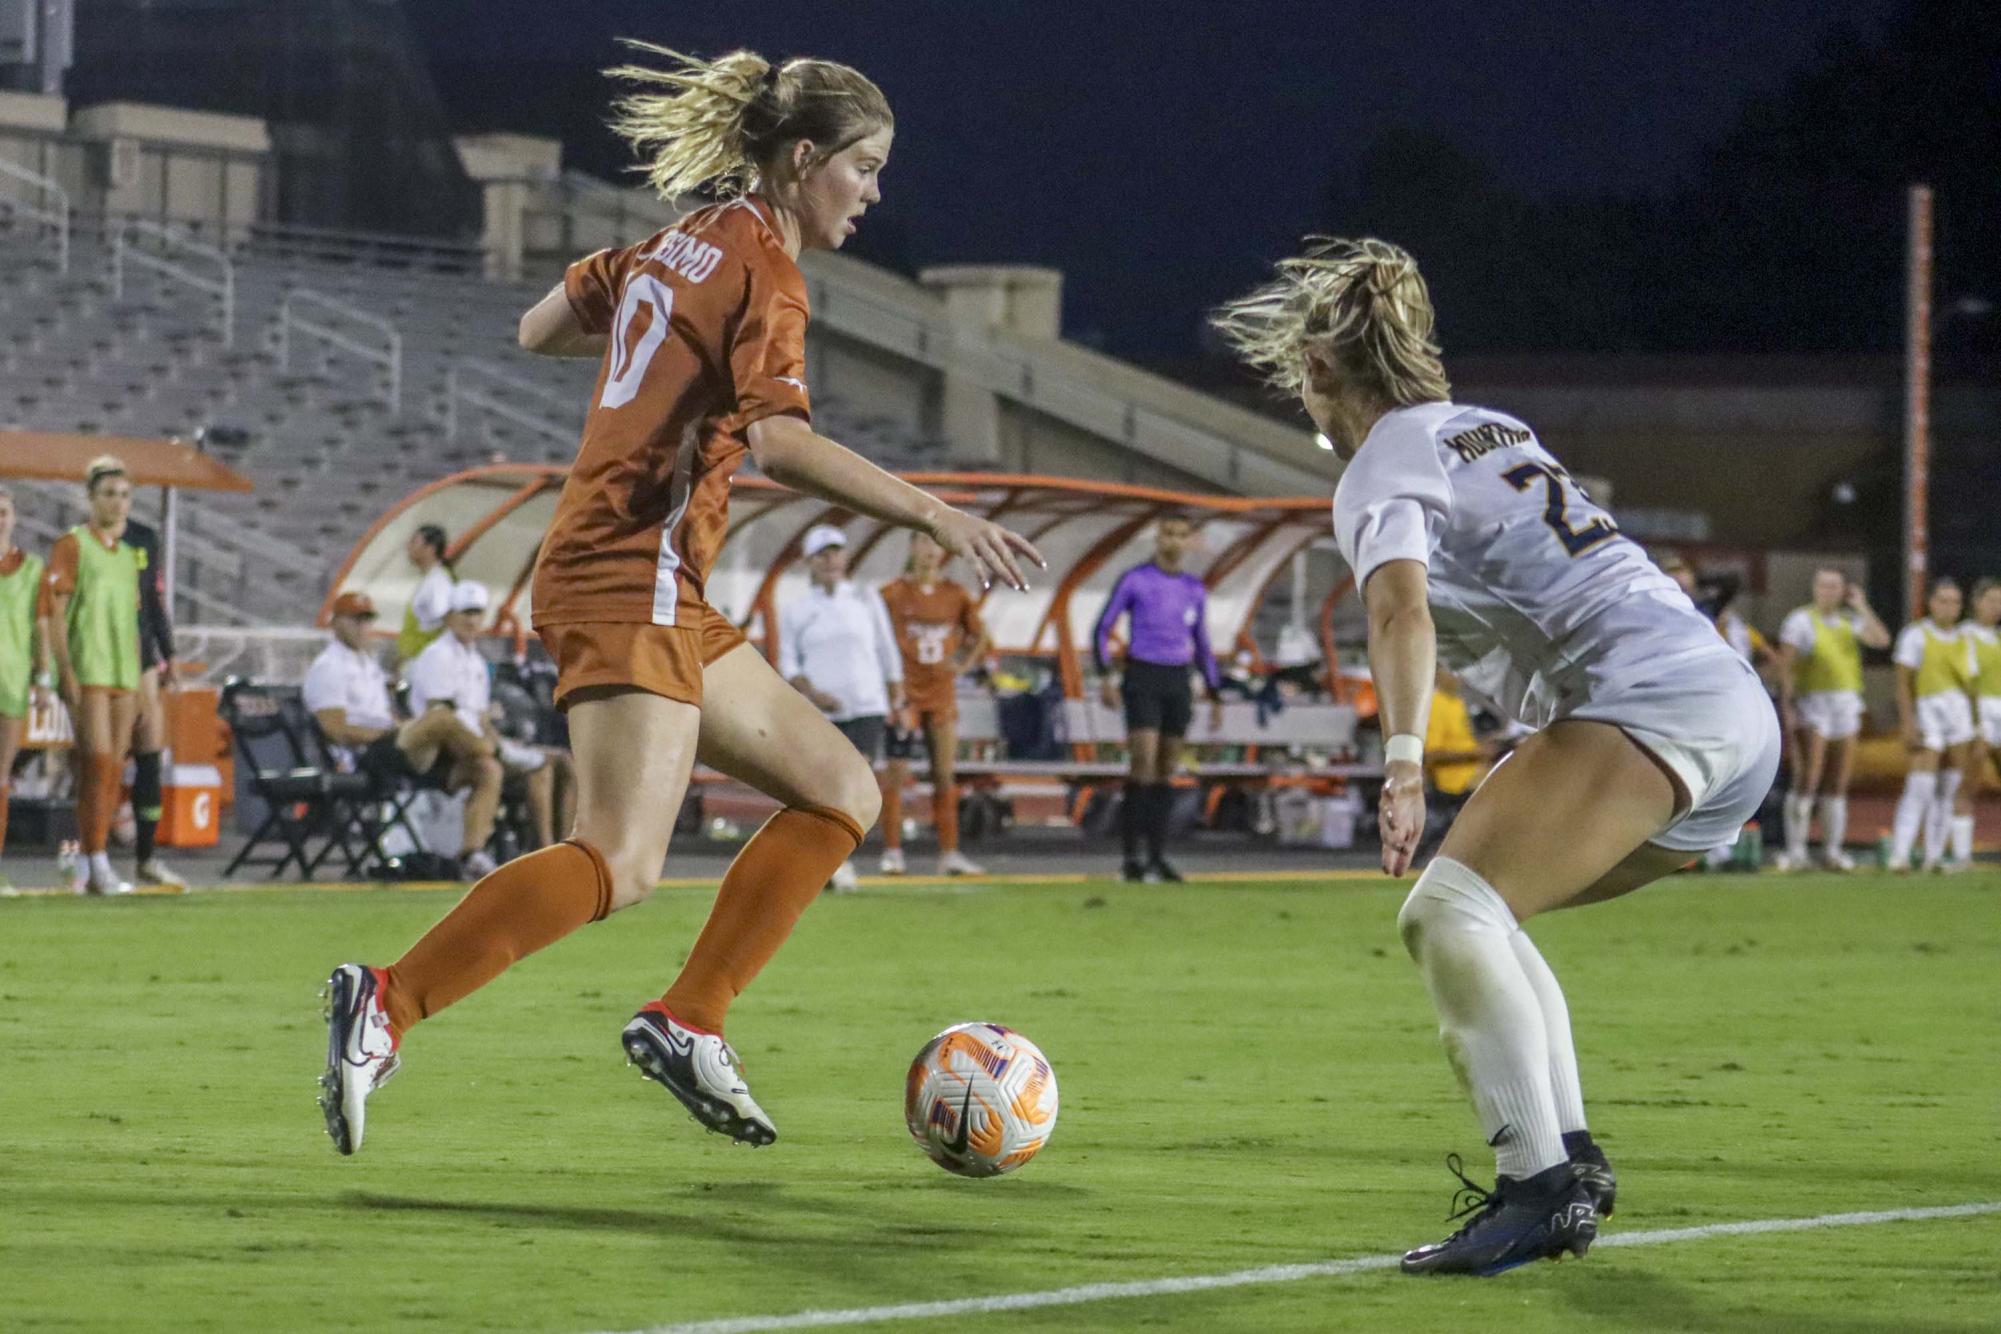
[980, 1100]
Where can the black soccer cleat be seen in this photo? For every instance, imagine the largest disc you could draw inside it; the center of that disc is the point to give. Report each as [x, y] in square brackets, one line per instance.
[1158, 872]
[1132, 872]
[1594, 1173]
[1544, 1217]
[700, 1070]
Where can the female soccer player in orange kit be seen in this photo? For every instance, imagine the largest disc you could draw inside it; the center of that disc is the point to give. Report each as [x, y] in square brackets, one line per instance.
[700, 330]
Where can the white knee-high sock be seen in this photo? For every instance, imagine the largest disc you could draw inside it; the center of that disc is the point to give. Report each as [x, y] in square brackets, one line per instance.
[1458, 930]
[1564, 1086]
[1962, 839]
[1938, 820]
[1910, 817]
[1833, 823]
[1799, 822]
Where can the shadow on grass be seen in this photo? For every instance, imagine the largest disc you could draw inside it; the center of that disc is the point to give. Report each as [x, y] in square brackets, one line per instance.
[760, 1214]
[1617, 1296]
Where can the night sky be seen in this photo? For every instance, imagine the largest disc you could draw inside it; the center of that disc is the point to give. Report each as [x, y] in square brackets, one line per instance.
[1163, 154]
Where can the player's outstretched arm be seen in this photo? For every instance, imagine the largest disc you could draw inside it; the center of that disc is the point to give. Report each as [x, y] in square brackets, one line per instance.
[549, 328]
[1403, 651]
[792, 453]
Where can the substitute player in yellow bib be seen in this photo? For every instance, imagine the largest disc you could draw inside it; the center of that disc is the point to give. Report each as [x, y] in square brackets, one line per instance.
[1983, 632]
[1820, 660]
[1935, 714]
[91, 602]
[24, 665]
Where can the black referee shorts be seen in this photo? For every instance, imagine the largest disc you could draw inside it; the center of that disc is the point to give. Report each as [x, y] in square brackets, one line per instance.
[1157, 698]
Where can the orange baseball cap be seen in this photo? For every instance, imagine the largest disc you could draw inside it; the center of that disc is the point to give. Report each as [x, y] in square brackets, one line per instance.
[353, 604]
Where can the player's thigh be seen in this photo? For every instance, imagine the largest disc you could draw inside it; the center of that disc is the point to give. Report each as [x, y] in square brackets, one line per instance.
[1813, 753]
[1838, 761]
[941, 743]
[759, 730]
[633, 751]
[1644, 865]
[11, 731]
[1565, 808]
[149, 731]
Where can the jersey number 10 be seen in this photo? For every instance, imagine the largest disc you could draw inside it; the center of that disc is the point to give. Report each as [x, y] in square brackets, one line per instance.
[1576, 541]
[630, 358]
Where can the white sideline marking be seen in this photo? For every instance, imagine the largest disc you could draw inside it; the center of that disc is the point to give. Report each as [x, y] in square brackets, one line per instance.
[1158, 1287]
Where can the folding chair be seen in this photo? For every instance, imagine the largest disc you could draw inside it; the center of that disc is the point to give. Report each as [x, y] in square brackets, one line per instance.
[369, 804]
[299, 797]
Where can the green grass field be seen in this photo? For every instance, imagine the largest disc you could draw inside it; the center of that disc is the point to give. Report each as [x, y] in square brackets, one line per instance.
[1249, 1077]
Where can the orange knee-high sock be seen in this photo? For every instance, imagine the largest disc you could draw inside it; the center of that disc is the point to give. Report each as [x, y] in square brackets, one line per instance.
[945, 815]
[781, 870]
[892, 815]
[531, 902]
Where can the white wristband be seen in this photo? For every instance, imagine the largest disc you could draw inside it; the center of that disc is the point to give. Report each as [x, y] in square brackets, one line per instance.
[1405, 746]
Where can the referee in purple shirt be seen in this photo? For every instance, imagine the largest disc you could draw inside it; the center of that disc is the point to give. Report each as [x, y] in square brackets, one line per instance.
[1168, 633]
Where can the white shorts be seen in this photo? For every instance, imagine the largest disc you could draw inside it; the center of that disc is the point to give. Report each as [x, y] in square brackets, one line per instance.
[1990, 719]
[1712, 724]
[1944, 720]
[1834, 714]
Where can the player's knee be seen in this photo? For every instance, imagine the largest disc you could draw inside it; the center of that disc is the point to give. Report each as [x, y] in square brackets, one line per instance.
[1451, 897]
[633, 874]
[860, 797]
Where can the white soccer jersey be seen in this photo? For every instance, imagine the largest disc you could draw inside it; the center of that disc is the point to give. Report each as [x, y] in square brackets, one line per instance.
[1541, 606]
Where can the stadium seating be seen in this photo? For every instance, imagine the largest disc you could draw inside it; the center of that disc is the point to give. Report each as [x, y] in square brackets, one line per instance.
[326, 448]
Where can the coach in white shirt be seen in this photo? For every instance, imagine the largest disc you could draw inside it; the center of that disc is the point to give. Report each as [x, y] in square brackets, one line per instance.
[347, 692]
[836, 647]
[451, 675]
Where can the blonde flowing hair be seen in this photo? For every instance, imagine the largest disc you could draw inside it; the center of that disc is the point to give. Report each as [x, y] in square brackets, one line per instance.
[722, 122]
[1361, 301]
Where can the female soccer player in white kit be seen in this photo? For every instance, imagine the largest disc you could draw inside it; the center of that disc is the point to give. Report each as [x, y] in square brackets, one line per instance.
[1653, 739]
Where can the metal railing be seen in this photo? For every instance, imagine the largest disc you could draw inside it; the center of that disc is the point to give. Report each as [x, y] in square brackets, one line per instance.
[56, 218]
[123, 252]
[463, 384]
[390, 358]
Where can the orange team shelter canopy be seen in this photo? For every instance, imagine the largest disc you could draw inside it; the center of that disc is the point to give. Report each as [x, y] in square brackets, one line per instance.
[1088, 531]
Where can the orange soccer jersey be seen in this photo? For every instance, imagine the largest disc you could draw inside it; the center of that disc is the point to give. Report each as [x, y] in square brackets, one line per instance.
[931, 626]
[707, 329]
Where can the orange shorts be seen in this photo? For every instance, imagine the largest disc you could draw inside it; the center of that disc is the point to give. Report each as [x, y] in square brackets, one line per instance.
[663, 659]
[945, 710]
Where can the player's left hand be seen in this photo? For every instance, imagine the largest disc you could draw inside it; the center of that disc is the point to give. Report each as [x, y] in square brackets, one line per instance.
[1400, 814]
[1215, 713]
[992, 551]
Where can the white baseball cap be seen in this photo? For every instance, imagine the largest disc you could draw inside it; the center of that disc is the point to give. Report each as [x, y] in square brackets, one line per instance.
[469, 596]
[821, 536]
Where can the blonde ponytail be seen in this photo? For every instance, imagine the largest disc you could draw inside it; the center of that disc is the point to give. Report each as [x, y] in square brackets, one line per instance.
[722, 123]
[1362, 302]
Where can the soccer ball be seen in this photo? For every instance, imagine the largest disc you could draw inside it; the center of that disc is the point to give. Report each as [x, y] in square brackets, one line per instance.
[980, 1100]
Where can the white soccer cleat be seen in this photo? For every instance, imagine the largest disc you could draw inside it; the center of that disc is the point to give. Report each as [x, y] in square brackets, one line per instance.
[153, 871]
[476, 865]
[361, 1051]
[845, 880]
[101, 880]
[72, 869]
[699, 1069]
[892, 862]
[1837, 860]
[1783, 860]
[956, 862]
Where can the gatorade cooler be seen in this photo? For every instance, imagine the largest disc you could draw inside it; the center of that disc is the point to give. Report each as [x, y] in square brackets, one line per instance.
[191, 809]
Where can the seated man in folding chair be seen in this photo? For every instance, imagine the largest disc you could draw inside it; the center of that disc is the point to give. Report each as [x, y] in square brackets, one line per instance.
[347, 692]
[450, 676]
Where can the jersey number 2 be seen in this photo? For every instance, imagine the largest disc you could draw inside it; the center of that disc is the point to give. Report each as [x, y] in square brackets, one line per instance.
[1576, 541]
[630, 357]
